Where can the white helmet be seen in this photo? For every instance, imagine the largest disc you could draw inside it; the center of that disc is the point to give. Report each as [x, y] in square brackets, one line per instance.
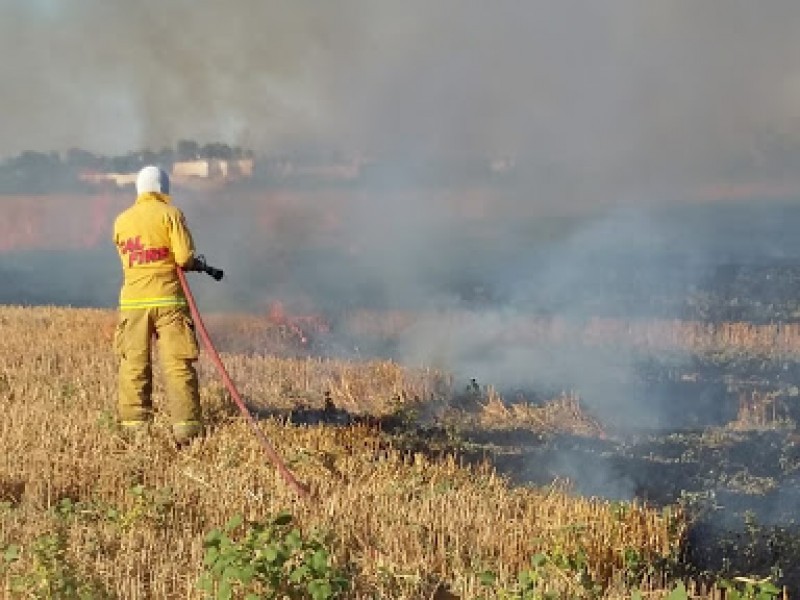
[152, 179]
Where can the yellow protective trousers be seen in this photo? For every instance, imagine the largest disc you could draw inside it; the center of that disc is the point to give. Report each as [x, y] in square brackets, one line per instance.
[173, 329]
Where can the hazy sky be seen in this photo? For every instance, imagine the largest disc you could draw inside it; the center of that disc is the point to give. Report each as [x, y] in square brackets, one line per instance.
[622, 89]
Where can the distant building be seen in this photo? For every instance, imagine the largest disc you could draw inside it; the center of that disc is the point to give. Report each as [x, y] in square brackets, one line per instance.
[100, 178]
[185, 172]
[212, 169]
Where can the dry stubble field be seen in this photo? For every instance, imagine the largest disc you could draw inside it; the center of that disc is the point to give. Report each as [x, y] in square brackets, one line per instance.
[80, 505]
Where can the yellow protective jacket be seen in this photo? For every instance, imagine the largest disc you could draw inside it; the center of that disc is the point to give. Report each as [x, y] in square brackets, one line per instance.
[152, 240]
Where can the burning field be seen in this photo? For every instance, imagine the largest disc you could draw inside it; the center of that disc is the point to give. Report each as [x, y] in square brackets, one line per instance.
[515, 287]
[403, 509]
[584, 404]
[713, 429]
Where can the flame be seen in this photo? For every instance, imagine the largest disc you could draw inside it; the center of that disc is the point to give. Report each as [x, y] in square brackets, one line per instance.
[300, 326]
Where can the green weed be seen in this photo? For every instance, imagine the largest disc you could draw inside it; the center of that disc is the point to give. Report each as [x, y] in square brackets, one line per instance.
[268, 561]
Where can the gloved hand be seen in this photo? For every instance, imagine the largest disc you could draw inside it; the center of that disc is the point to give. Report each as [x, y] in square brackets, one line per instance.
[199, 264]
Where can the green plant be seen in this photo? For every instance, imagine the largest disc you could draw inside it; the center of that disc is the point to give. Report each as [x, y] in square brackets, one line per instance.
[635, 565]
[48, 574]
[10, 555]
[744, 588]
[677, 593]
[268, 560]
[546, 572]
[67, 508]
[149, 504]
[577, 564]
[531, 583]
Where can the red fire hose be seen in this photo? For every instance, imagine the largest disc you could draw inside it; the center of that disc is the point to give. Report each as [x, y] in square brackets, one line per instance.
[269, 450]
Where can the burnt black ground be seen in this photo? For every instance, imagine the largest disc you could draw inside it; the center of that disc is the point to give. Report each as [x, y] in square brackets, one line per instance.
[742, 489]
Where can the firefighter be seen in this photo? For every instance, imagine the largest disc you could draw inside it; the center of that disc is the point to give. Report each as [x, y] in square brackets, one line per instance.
[153, 241]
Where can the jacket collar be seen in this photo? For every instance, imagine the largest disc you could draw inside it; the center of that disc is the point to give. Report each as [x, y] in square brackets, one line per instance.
[152, 196]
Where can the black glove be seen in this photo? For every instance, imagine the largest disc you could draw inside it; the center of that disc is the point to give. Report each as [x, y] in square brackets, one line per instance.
[199, 264]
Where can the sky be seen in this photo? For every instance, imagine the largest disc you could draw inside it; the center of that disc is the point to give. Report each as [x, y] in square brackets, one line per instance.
[622, 92]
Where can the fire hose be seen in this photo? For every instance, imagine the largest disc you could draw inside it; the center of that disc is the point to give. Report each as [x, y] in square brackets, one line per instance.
[288, 477]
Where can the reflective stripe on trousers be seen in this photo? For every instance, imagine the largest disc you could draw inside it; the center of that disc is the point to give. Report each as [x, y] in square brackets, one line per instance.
[138, 303]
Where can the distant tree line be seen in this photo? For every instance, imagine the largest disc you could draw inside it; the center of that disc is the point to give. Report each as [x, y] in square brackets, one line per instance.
[41, 173]
[33, 172]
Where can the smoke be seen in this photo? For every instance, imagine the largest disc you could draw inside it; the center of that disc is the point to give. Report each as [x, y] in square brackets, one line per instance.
[575, 278]
[603, 96]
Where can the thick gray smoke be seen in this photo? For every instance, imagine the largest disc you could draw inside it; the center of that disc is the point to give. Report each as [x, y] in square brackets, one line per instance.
[605, 96]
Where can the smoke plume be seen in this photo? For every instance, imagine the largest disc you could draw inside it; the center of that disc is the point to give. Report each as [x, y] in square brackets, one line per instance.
[612, 97]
